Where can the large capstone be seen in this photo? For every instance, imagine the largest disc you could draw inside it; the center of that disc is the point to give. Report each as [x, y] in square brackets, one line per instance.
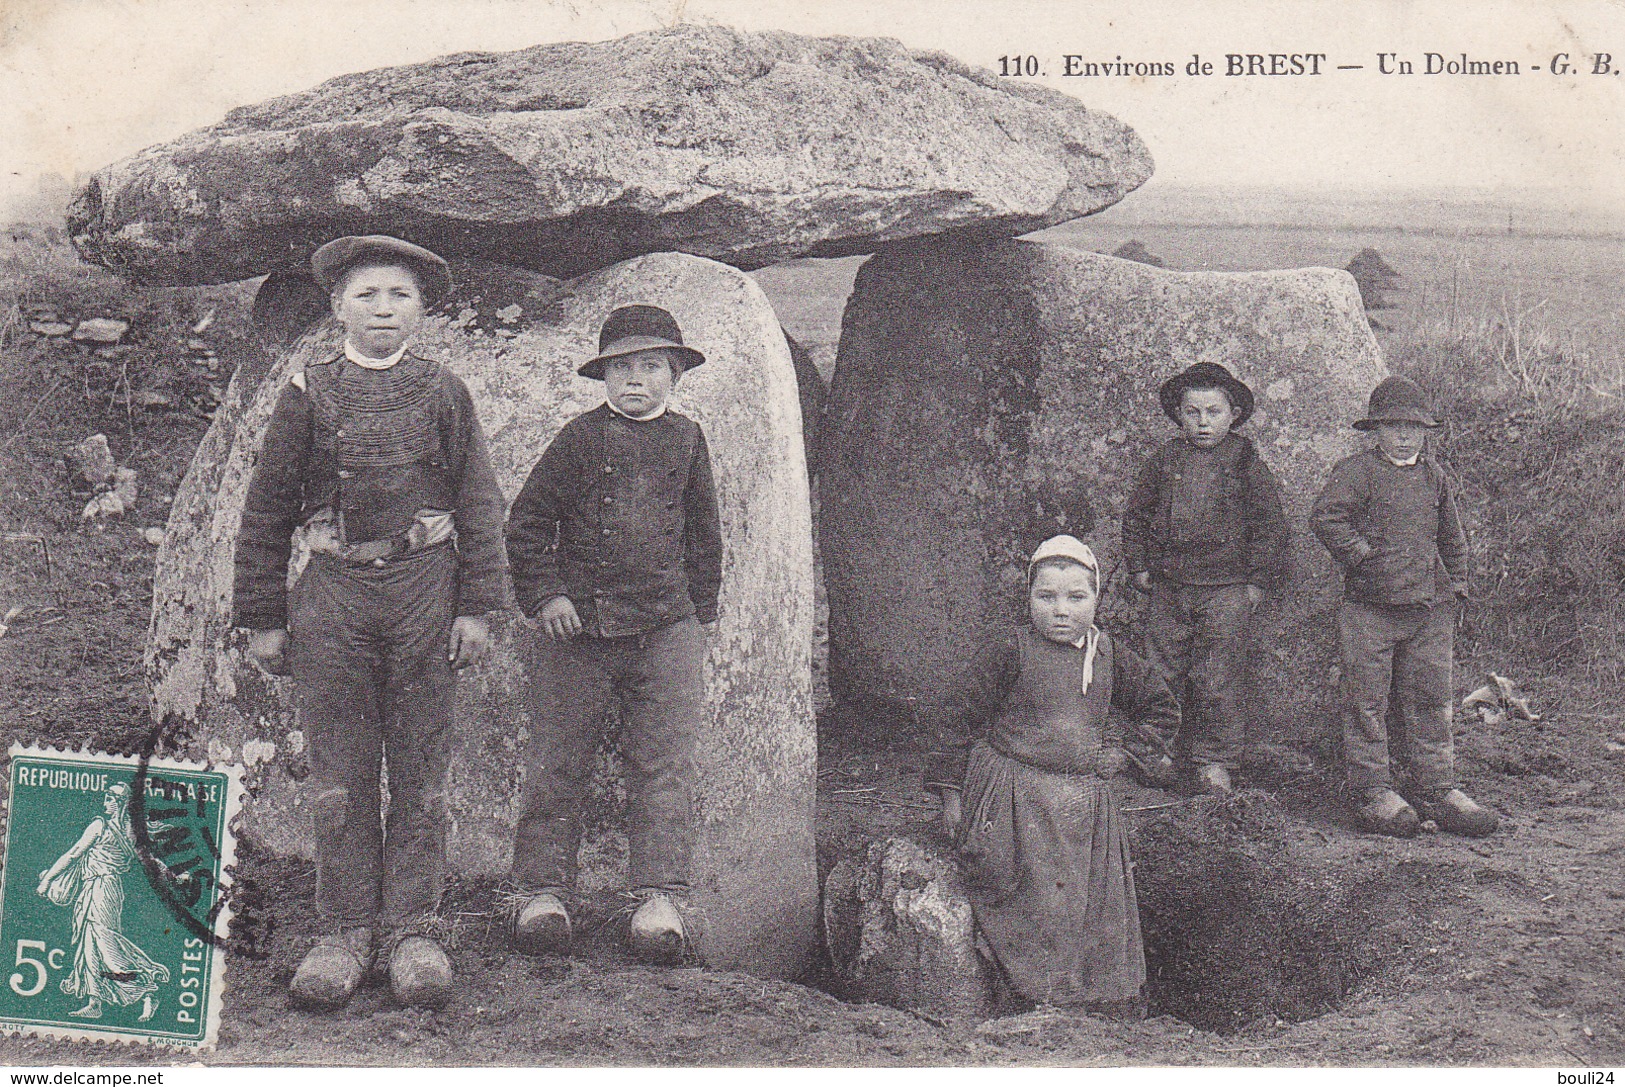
[515, 339]
[750, 148]
[987, 394]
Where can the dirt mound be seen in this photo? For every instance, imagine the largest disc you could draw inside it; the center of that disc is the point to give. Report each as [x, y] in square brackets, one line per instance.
[1250, 915]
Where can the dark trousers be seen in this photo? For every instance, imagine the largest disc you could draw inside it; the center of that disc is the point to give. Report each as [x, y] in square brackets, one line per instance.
[1408, 650]
[368, 652]
[1196, 638]
[656, 678]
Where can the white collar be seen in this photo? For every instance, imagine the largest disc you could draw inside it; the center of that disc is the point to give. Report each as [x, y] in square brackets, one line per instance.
[1400, 463]
[355, 356]
[657, 413]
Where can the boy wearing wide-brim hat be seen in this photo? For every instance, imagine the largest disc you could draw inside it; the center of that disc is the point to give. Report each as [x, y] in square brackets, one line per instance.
[376, 454]
[616, 545]
[1389, 517]
[1205, 535]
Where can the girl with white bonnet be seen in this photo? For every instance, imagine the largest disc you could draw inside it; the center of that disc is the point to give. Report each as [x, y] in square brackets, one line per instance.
[1024, 767]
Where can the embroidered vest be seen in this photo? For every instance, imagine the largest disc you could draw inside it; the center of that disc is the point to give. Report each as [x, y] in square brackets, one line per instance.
[378, 436]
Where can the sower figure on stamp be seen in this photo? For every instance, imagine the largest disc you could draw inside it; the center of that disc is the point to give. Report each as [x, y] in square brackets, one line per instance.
[1389, 517]
[1205, 535]
[108, 967]
[378, 454]
[616, 546]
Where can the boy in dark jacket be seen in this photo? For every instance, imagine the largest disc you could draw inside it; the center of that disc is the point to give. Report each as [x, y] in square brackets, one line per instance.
[1205, 535]
[1388, 516]
[616, 546]
[376, 455]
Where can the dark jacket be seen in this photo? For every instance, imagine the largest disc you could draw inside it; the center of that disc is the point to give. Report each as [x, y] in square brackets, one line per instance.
[1025, 697]
[1207, 516]
[620, 515]
[377, 469]
[1396, 531]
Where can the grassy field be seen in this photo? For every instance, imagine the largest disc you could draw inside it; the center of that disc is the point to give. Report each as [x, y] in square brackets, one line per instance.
[1566, 287]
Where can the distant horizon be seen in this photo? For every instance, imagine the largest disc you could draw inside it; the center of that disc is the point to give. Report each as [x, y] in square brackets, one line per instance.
[1452, 208]
[1536, 210]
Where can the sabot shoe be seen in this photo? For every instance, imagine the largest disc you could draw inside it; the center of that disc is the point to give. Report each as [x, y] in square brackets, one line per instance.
[657, 934]
[420, 973]
[330, 972]
[1385, 812]
[1214, 780]
[542, 924]
[1456, 812]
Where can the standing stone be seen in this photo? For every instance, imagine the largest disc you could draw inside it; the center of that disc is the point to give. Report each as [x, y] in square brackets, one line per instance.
[813, 393]
[750, 148]
[899, 929]
[977, 384]
[516, 339]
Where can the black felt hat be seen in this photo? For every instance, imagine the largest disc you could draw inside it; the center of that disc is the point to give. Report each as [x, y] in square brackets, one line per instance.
[638, 328]
[1398, 400]
[1206, 375]
[331, 261]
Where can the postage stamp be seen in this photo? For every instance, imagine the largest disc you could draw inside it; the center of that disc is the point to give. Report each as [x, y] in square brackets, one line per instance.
[113, 916]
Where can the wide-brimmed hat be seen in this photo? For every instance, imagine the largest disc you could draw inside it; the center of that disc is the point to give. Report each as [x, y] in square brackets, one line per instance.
[1206, 375]
[1398, 400]
[638, 328]
[331, 261]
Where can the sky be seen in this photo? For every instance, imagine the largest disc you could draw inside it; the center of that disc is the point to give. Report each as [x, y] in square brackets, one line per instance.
[87, 82]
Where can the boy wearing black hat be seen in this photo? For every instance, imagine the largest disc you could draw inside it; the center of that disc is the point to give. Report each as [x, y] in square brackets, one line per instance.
[1205, 535]
[377, 455]
[616, 545]
[1389, 517]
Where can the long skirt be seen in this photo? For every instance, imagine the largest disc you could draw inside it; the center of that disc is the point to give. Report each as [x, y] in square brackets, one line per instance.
[106, 965]
[1047, 862]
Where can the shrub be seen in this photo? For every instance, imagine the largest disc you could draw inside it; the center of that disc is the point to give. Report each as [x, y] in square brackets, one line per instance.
[1531, 431]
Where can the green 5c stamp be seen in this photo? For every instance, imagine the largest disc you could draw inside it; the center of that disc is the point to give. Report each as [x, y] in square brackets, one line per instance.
[112, 912]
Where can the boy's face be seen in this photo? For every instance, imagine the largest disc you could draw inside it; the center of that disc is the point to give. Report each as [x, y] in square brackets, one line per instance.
[639, 383]
[1400, 440]
[380, 306]
[1205, 416]
[1062, 601]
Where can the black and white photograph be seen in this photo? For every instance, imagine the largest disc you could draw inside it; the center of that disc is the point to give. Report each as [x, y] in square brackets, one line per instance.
[707, 534]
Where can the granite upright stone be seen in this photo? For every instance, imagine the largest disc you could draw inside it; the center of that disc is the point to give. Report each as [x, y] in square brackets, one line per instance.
[515, 339]
[983, 389]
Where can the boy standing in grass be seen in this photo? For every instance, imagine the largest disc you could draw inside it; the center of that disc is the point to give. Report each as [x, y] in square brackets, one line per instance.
[1205, 535]
[1388, 516]
[377, 455]
[616, 545]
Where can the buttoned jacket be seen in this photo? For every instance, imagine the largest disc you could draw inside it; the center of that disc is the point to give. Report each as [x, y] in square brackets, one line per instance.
[1396, 530]
[1238, 535]
[620, 515]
